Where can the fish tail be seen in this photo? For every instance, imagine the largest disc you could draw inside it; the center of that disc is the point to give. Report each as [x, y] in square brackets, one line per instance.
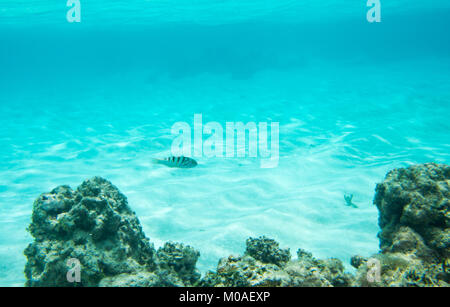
[155, 161]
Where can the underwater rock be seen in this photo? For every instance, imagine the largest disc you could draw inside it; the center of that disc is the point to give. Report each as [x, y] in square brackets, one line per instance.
[139, 279]
[92, 224]
[95, 225]
[245, 271]
[256, 268]
[414, 218]
[179, 260]
[267, 251]
[357, 261]
[417, 197]
[400, 270]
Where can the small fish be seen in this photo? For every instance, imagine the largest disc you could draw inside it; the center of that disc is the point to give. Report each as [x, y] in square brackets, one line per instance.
[179, 162]
[348, 200]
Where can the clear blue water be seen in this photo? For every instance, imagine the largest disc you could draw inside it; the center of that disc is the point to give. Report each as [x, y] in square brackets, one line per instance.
[353, 100]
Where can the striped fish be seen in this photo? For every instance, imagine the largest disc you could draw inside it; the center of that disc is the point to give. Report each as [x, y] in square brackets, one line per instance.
[179, 162]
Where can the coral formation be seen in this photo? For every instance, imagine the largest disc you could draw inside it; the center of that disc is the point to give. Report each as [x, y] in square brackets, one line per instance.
[267, 251]
[264, 264]
[414, 218]
[95, 225]
[176, 259]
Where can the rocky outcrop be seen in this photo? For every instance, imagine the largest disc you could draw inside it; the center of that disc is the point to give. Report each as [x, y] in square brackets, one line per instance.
[414, 219]
[264, 264]
[95, 226]
[267, 251]
[174, 259]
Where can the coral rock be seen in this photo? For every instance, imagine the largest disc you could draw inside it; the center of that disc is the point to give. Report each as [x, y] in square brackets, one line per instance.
[265, 265]
[180, 260]
[267, 251]
[414, 218]
[417, 197]
[95, 225]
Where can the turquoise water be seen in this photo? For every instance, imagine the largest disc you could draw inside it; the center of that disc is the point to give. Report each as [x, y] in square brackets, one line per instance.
[353, 100]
